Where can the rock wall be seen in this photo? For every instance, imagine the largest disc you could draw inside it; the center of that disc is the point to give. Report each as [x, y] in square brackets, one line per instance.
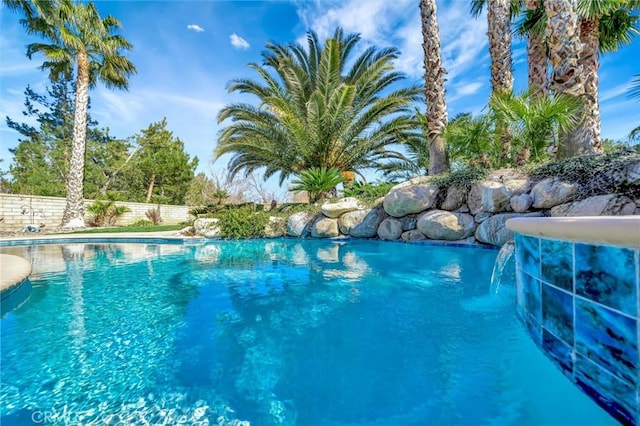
[419, 210]
[17, 211]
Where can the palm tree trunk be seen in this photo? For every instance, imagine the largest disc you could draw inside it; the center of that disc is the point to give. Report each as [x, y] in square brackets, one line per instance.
[74, 208]
[434, 88]
[565, 50]
[499, 31]
[590, 61]
[150, 188]
[536, 56]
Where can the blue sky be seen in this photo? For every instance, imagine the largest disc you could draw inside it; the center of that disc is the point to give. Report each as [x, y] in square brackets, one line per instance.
[187, 51]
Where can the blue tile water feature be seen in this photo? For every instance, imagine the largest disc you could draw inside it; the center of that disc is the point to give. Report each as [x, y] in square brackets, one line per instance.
[579, 303]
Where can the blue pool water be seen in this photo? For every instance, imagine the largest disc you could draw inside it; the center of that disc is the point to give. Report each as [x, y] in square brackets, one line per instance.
[274, 332]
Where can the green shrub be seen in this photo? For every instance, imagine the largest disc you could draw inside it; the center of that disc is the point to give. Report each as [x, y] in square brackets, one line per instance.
[319, 182]
[594, 173]
[105, 211]
[463, 178]
[154, 216]
[242, 222]
[142, 222]
[368, 190]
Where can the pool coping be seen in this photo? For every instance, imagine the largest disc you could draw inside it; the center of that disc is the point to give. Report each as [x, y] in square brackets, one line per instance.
[605, 230]
[15, 270]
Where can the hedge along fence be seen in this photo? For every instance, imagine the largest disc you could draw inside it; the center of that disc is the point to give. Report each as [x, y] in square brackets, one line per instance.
[19, 210]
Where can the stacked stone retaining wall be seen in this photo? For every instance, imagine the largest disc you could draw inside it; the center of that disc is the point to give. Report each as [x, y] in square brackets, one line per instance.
[420, 210]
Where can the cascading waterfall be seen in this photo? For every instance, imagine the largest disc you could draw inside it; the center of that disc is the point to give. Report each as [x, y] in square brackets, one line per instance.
[500, 269]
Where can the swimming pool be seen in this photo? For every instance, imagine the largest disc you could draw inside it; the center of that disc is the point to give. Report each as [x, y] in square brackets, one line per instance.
[274, 332]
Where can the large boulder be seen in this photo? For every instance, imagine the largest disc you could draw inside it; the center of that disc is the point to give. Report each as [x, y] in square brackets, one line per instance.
[390, 229]
[207, 227]
[521, 203]
[345, 205]
[444, 225]
[276, 227]
[408, 222]
[551, 192]
[454, 199]
[517, 186]
[410, 199]
[361, 223]
[488, 196]
[493, 230]
[298, 224]
[413, 235]
[598, 205]
[419, 180]
[325, 228]
[633, 174]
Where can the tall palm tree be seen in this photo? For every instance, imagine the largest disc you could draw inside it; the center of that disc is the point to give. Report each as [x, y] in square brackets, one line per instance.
[32, 8]
[79, 38]
[314, 111]
[568, 76]
[434, 88]
[603, 27]
[499, 14]
[532, 26]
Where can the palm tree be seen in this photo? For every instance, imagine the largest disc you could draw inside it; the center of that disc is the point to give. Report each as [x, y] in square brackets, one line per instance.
[416, 159]
[532, 26]
[313, 111]
[471, 141]
[603, 27]
[568, 76]
[318, 182]
[79, 38]
[635, 87]
[499, 14]
[32, 8]
[534, 120]
[434, 88]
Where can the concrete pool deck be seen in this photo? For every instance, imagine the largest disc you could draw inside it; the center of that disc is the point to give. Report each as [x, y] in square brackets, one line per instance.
[13, 271]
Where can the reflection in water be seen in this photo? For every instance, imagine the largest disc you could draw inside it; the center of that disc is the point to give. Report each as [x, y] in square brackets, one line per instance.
[276, 332]
[73, 254]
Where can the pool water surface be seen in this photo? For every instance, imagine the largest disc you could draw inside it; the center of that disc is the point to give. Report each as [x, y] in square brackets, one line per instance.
[269, 332]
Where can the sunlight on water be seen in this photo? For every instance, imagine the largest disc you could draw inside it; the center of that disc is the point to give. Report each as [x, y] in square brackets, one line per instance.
[277, 332]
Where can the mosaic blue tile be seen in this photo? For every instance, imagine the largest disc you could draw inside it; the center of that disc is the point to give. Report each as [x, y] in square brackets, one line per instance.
[531, 293]
[520, 290]
[557, 263]
[612, 394]
[608, 339]
[533, 328]
[558, 351]
[607, 275]
[528, 254]
[557, 313]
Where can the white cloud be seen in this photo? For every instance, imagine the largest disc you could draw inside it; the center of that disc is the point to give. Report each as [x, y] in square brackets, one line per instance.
[238, 42]
[397, 23]
[195, 27]
[615, 92]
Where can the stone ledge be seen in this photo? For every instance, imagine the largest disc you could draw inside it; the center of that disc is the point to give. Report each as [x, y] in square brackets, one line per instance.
[610, 230]
[14, 270]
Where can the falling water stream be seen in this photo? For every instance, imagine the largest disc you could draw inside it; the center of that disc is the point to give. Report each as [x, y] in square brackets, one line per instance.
[501, 273]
